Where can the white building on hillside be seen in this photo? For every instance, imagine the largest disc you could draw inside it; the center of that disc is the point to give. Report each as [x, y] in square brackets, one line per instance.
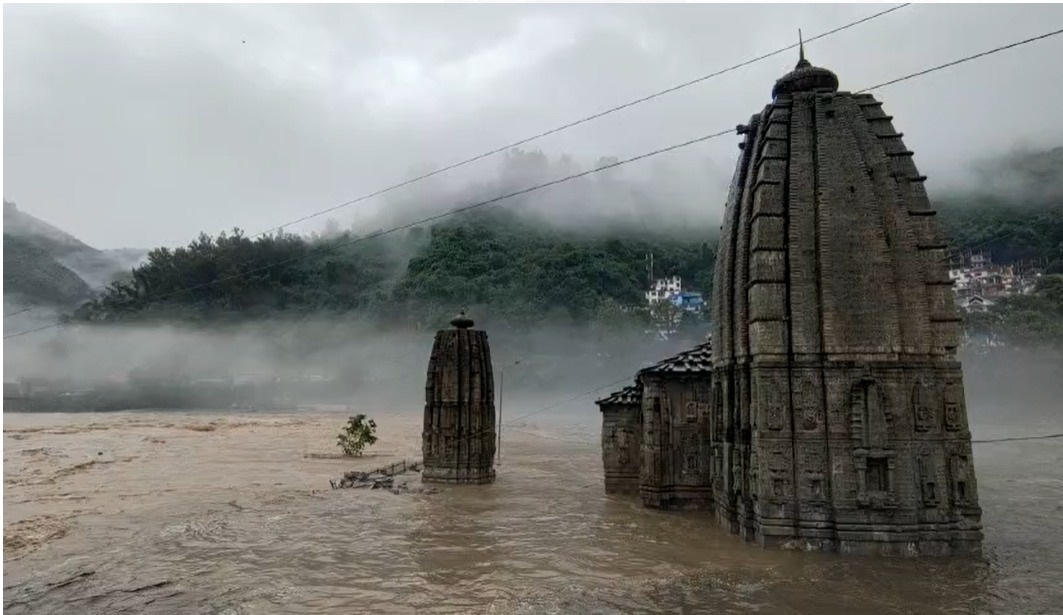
[664, 288]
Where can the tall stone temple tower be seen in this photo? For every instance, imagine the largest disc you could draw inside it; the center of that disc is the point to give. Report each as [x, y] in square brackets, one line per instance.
[839, 415]
[459, 413]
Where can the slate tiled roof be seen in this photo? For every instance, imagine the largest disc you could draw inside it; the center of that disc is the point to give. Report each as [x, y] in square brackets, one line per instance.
[697, 360]
[629, 395]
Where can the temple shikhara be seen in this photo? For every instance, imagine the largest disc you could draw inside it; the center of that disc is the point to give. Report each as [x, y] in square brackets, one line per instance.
[458, 441]
[829, 412]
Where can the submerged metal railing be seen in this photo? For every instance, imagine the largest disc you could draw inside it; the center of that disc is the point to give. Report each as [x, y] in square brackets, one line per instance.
[379, 478]
[399, 467]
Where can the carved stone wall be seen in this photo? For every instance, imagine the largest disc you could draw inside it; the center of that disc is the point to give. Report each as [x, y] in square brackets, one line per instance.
[458, 441]
[676, 467]
[839, 418]
[622, 440]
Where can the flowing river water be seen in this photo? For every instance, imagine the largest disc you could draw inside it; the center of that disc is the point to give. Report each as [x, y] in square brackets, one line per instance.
[215, 512]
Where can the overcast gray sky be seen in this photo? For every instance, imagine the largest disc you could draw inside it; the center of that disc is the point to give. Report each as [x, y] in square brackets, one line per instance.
[142, 125]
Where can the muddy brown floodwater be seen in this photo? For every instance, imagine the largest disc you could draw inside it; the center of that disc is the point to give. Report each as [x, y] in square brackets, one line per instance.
[148, 512]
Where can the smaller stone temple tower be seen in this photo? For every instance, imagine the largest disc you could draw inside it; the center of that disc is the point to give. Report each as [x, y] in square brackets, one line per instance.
[459, 413]
[622, 439]
[674, 471]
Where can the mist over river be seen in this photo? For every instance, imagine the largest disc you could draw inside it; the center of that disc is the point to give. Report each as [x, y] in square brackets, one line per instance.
[216, 512]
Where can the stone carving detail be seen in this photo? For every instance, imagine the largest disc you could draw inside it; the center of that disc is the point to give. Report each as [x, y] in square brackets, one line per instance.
[809, 410]
[816, 490]
[717, 467]
[691, 454]
[736, 473]
[809, 419]
[921, 407]
[962, 494]
[814, 479]
[927, 479]
[876, 481]
[623, 446]
[779, 475]
[717, 417]
[779, 485]
[953, 421]
[772, 402]
[754, 474]
[869, 417]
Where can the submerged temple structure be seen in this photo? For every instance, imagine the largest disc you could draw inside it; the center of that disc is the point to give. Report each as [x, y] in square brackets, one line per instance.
[676, 404]
[459, 414]
[622, 439]
[840, 399]
[836, 419]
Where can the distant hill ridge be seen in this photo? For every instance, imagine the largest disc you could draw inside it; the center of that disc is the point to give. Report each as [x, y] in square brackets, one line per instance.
[510, 260]
[18, 223]
[47, 266]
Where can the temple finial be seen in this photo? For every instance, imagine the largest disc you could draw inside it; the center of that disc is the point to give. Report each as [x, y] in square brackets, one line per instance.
[461, 321]
[801, 62]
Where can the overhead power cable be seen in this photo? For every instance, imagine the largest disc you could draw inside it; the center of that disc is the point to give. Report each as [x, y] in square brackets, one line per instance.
[521, 192]
[1018, 438]
[395, 229]
[512, 421]
[565, 401]
[564, 127]
[17, 312]
[583, 120]
[962, 60]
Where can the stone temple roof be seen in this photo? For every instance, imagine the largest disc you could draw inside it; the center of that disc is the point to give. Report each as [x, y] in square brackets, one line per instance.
[697, 360]
[805, 78]
[629, 395]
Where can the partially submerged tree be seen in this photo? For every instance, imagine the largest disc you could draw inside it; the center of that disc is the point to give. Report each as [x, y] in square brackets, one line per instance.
[357, 434]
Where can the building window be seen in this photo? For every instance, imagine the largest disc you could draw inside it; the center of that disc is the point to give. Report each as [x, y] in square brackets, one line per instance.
[878, 474]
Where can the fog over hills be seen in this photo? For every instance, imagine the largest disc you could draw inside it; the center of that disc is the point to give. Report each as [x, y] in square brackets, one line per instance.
[47, 267]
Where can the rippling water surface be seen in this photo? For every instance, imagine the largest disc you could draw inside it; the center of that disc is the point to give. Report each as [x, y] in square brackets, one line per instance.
[221, 513]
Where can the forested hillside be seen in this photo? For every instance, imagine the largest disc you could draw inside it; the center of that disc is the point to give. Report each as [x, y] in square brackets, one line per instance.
[1014, 209]
[511, 266]
[46, 266]
[519, 271]
[31, 272]
[495, 261]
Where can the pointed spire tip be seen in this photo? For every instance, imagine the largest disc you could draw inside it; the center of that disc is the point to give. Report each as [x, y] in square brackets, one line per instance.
[801, 62]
